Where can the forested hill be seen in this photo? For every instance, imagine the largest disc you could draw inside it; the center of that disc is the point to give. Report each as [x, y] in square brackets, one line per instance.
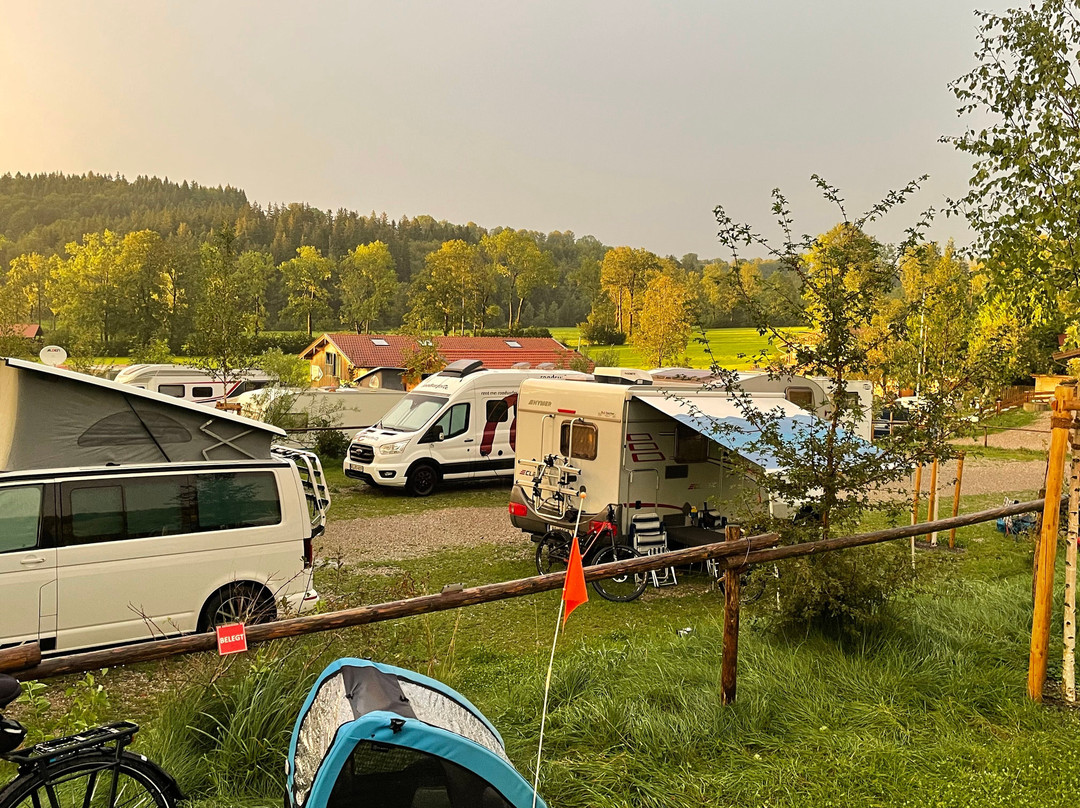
[57, 266]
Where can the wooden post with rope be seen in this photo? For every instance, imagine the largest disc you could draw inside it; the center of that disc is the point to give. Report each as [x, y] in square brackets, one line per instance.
[1061, 421]
[729, 662]
[956, 497]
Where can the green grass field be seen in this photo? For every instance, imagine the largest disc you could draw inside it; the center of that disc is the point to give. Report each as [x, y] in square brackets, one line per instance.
[733, 348]
[926, 708]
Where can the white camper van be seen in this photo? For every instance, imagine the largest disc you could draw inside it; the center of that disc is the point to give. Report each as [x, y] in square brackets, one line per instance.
[638, 450]
[126, 515]
[189, 383]
[458, 424]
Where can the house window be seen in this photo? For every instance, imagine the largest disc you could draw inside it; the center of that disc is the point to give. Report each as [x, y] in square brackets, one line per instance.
[578, 439]
[331, 363]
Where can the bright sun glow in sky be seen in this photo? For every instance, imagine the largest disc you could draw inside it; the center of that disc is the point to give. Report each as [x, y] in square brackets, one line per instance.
[626, 120]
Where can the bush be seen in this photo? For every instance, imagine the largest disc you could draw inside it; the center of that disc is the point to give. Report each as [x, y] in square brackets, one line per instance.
[531, 331]
[602, 334]
[331, 443]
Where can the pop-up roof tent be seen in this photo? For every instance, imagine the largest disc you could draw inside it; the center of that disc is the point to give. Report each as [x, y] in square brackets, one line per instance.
[53, 418]
[384, 737]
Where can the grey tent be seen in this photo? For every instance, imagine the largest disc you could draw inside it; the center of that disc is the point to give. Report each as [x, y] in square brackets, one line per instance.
[53, 418]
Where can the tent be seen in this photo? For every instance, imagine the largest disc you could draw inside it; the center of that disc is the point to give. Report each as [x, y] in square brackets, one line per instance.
[384, 737]
[55, 418]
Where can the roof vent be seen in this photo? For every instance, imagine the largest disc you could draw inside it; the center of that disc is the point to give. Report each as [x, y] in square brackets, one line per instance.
[546, 366]
[520, 366]
[462, 367]
[630, 376]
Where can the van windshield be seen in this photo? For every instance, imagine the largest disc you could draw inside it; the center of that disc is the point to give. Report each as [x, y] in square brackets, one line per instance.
[413, 412]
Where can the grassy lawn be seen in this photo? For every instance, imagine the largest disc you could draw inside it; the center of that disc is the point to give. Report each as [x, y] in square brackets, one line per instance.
[735, 348]
[925, 709]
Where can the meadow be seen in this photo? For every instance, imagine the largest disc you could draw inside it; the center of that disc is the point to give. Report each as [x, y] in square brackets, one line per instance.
[733, 348]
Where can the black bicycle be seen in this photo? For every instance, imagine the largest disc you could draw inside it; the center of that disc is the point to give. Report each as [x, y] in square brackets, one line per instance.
[600, 545]
[92, 769]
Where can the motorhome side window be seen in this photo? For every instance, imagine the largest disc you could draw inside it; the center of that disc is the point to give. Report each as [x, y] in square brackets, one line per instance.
[174, 390]
[690, 446]
[202, 392]
[800, 397]
[497, 410]
[454, 421]
[20, 517]
[578, 439]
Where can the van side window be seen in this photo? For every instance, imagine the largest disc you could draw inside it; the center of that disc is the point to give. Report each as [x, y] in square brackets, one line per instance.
[233, 500]
[454, 421]
[578, 439]
[174, 390]
[202, 392]
[20, 517]
[497, 411]
[132, 508]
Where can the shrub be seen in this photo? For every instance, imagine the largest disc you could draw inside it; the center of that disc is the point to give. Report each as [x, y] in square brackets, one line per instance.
[331, 443]
[602, 334]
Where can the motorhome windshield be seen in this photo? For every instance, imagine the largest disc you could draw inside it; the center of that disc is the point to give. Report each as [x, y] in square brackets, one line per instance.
[413, 412]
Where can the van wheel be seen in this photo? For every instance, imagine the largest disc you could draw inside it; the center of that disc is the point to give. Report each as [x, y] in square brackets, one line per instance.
[421, 480]
[238, 603]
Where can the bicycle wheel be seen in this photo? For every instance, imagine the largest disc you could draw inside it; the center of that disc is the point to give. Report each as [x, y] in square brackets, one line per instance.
[87, 780]
[552, 552]
[621, 588]
[752, 584]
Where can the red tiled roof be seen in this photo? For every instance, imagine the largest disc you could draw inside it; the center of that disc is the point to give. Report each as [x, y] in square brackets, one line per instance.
[495, 352]
[28, 330]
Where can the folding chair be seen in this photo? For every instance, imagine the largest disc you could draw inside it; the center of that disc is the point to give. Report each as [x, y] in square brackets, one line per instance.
[649, 537]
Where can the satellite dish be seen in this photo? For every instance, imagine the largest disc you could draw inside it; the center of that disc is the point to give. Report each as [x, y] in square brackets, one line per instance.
[316, 373]
[53, 355]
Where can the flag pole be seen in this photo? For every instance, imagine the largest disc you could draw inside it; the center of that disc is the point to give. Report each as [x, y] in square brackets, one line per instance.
[551, 665]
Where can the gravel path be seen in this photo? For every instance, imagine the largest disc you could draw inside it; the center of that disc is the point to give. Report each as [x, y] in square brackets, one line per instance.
[385, 538]
[1035, 436]
[388, 538]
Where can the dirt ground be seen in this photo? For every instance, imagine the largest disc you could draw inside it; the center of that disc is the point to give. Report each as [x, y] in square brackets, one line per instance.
[1035, 436]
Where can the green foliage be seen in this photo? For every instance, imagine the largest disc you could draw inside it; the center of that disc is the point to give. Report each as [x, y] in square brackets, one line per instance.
[600, 328]
[369, 284]
[156, 352]
[664, 324]
[515, 255]
[305, 278]
[332, 443]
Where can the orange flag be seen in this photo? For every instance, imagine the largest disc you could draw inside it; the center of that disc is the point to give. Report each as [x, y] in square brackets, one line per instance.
[574, 592]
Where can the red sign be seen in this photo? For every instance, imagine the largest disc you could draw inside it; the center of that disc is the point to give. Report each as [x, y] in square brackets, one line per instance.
[231, 639]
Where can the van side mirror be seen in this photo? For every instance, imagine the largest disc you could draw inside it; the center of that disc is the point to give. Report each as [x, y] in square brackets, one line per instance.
[434, 434]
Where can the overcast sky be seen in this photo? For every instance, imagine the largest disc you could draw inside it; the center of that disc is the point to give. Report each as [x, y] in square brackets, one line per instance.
[626, 120]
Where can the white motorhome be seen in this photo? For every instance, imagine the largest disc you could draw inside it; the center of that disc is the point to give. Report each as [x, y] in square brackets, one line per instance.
[189, 383]
[349, 408]
[637, 449]
[458, 424]
[126, 515]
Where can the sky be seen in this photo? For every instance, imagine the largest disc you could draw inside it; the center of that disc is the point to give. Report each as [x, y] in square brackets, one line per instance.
[629, 120]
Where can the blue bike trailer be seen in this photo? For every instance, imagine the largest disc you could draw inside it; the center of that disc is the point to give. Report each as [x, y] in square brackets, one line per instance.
[378, 736]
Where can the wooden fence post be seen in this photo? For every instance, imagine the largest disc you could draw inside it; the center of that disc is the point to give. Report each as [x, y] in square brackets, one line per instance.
[915, 496]
[1046, 550]
[956, 497]
[932, 503]
[729, 663]
[1068, 657]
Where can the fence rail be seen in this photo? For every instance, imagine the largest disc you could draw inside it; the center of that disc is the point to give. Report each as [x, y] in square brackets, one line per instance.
[24, 662]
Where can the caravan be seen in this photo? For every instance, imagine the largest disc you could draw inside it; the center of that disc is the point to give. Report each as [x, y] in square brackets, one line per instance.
[189, 383]
[641, 453]
[458, 424]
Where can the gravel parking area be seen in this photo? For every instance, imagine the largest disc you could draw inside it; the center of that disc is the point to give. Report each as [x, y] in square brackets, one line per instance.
[989, 476]
[386, 538]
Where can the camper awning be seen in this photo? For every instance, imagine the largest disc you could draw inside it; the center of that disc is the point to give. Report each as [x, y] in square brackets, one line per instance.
[720, 419]
[53, 418]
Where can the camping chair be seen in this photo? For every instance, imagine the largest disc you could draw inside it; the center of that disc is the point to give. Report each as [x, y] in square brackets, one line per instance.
[649, 537]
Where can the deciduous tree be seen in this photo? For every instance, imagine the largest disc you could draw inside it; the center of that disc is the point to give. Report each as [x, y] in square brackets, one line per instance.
[369, 284]
[664, 324]
[305, 278]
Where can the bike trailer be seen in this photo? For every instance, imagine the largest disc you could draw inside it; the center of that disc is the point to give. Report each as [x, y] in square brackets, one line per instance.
[384, 737]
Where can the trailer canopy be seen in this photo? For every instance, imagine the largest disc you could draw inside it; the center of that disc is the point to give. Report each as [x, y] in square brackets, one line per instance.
[720, 419]
[53, 418]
